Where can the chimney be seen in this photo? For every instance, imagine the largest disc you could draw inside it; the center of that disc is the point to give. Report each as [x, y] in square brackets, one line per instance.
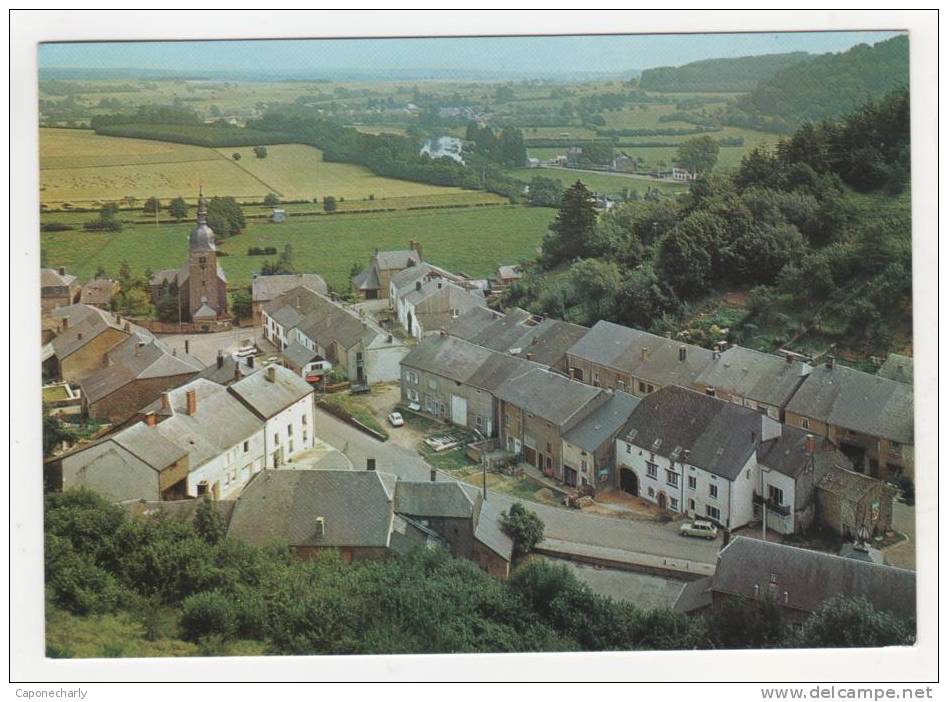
[165, 402]
[138, 347]
[417, 285]
[789, 359]
[80, 336]
[62, 270]
[769, 428]
[320, 527]
[810, 444]
[682, 353]
[65, 323]
[443, 333]
[572, 373]
[644, 352]
[151, 419]
[187, 346]
[250, 362]
[370, 464]
[128, 327]
[434, 475]
[237, 370]
[830, 362]
[271, 373]
[529, 356]
[416, 245]
[192, 402]
[440, 284]
[220, 359]
[174, 351]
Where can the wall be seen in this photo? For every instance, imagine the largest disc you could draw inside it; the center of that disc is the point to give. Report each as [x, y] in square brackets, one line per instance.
[91, 357]
[230, 470]
[123, 403]
[480, 403]
[300, 416]
[384, 357]
[489, 561]
[110, 470]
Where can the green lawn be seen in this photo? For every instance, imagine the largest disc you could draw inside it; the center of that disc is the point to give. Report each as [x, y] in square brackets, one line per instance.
[598, 182]
[470, 240]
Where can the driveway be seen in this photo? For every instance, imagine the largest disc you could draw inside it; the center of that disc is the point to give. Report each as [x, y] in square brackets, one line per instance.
[902, 554]
[204, 347]
[562, 524]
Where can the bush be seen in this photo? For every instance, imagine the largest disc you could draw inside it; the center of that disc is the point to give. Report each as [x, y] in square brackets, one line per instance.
[523, 526]
[208, 613]
[56, 227]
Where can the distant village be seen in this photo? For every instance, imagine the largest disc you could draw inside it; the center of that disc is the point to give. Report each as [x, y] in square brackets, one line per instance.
[752, 450]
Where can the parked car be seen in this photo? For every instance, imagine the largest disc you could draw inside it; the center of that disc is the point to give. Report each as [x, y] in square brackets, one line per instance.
[395, 419]
[700, 528]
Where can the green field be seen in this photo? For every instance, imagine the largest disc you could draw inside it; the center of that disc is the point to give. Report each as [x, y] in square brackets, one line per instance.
[470, 240]
[83, 168]
[598, 182]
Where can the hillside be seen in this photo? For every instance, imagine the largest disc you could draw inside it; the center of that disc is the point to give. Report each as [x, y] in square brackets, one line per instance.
[831, 85]
[732, 75]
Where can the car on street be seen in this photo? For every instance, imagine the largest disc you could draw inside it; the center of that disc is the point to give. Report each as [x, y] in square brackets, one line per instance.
[700, 528]
[395, 419]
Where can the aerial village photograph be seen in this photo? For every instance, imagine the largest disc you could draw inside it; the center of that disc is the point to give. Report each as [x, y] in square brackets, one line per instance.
[466, 345]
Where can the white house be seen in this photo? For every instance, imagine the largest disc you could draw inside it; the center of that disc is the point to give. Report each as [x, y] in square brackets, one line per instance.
[694, 454]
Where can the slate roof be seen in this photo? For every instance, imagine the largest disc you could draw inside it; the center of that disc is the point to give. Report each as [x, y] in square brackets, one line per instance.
[847, 484]
[81, 332]
[298, 355]
[858, 401]
[267, 287]
[405, 280]
[603, 423]
[638, 353]
[367, 279]
[787, 453]
[720, 435]
[148, 445]
[447, 357]
[433, 499]
[548, 395]
[138, 357]
[97, 291]
[268, 398]
[321, 319]
[762, 377]
[205, 311]
[897, 367]
[392, 260]
[50, 278]
[470, 324]
[810, 578]
[694, 596]
[497, 371]
[230, 371]
[184, 510]
[282, 506]
[488, 531]
[220, 422]
[550, 340]
[508, 272]
[169, 275]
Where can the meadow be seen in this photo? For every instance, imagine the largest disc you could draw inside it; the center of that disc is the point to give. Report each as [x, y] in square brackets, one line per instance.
[470, 240]
[599, 182]
[82, 168]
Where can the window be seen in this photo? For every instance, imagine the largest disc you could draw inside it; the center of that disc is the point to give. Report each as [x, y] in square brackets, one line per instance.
[584, 465]
[412, 395]
[805, 423]
[246, 446]
[411, 377]
[691, 505]
[671, 477]
[674, 503]
[649, 387]
[692, 482]
[276, 439]
[291, 446]
[305, 420]
[712, 512]
[713, 490]
[289, 430]
[432, 384]
[709, 391]
[776, 495]
[628, 448]
[651, 492]
[478, 421]
[651, 470]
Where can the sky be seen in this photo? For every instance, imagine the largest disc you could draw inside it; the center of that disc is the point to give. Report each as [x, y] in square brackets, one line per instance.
[514, 55]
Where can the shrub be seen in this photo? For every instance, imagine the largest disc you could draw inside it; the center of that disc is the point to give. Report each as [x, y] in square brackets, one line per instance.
[208, 613]
[56, 227]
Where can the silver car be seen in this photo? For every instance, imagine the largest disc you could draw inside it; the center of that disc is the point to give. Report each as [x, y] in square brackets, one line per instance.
[699, 527]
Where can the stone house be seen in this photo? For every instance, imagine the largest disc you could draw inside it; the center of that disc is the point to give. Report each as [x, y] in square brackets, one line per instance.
[848, 502]
[405, 281]
[433, 304]
[265, 288]
[57, 289]
[135, 373]
[694, 454]
[621, 358]
[589, 448]
[134, 463]
[504, 277]
[372, 283]
[870, 418]
[799, 581]
[85, 336]
[761, 381]
[99, 292]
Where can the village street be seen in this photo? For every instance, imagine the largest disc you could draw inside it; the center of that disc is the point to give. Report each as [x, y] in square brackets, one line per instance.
[562, 524]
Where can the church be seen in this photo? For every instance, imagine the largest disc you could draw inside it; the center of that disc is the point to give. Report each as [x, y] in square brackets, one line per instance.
[200, 283]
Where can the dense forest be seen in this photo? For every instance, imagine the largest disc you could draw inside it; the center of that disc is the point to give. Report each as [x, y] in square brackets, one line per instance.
[728, 75]
[184, 581]
[818, 231]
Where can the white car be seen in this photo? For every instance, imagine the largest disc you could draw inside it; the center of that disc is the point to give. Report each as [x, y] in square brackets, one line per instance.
[699, 527]
[395, 419]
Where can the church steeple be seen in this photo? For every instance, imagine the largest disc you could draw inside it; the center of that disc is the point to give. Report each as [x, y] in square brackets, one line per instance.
[202, 236]
[202, 206]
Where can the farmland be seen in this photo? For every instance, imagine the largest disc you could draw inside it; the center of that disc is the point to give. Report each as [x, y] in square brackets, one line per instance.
[472, 240]
[608, 183]
[82, 168]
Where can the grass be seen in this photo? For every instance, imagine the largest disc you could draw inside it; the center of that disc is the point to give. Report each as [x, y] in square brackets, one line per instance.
[598, 182]
[469, 240]
[81, 167]
[352, 405]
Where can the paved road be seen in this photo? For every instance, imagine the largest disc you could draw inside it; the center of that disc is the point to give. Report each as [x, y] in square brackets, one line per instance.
[561, 523]
[903, 520]
[204, 347]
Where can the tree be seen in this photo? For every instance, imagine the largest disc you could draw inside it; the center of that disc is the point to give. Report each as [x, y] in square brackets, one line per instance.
[100, 272]
[329, 203]
[748, 623]
[55, 432]
[510, 148]
[260, 151]
[167, 303]
[523, 526]
[271, 200]
[178, 208]
[208, 522]
[545, 192]
[684, 255]
[573, 227]
[152, 206]
[242, 305]
[236, 156]
[225, 216]
[845, 622]
[698, 155]
[595, 285]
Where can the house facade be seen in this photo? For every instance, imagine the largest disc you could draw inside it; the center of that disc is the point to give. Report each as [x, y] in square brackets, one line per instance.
[589, 448]
[372, 283]
[265, 288]
[57, 289]
[83, 336]
[851, 504]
